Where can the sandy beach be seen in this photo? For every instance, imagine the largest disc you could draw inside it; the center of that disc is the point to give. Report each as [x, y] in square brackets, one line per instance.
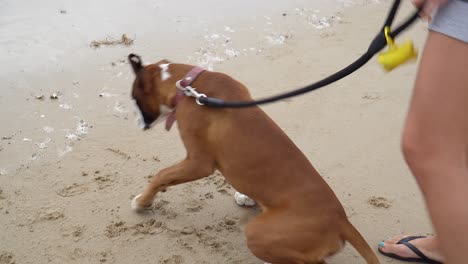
[72, 157]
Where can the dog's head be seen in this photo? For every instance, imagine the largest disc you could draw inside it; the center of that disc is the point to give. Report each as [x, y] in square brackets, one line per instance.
[148, 91]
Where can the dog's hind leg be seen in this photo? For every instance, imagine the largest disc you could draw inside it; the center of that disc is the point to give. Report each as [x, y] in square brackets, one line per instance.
[190, 169]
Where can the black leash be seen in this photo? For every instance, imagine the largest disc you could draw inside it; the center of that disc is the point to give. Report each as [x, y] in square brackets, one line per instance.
[376, 46]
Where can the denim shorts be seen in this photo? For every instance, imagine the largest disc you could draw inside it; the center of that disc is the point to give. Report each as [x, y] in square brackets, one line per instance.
[452, 20]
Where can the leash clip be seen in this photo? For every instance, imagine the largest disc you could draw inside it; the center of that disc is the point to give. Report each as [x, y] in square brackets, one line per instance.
[191, 92]
[388, 38]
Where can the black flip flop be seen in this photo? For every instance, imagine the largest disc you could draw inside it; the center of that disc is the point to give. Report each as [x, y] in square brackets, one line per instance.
[405, 241]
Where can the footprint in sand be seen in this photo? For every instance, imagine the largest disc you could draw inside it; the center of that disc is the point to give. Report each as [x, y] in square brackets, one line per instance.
[188, 230]
[177, 230]
[174, 259]
[223, 190]
[379, 202]
[148, 227]
[222, 186]
[181, 243]
[104, 256]
[209, 195]
[120, 153]
[72, 190]
[115, 229]
[77, 254]
[50, 215]
[208, 240]
[103, 181]
[193, 206]
[227, 223]
[371, 96]
[219, 246]
[6, 258]
[74, 232]
[161, 207]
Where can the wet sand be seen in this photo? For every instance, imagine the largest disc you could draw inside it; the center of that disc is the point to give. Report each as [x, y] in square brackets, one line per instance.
[69, 166]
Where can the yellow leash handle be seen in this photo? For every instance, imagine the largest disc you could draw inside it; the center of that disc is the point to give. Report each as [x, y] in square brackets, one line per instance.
[396, 54]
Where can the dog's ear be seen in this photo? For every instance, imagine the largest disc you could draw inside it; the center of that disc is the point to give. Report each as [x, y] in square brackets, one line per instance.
[136, 63]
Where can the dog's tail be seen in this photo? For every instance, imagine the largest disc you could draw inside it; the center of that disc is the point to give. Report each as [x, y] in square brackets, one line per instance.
[352, 235]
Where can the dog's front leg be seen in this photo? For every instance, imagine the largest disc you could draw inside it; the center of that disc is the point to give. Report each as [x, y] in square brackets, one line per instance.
[187, 170]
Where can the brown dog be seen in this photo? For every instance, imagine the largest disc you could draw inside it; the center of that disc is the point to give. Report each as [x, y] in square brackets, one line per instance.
[302, 221]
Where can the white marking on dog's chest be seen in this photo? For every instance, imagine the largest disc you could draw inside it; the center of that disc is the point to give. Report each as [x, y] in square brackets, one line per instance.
[165, 110]
[165, 71]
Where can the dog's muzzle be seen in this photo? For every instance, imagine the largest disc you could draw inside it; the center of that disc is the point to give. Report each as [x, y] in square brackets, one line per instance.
[145, 122]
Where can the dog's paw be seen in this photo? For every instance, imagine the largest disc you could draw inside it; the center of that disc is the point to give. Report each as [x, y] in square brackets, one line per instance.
[243, 200]
[134, 204]
[136, 207]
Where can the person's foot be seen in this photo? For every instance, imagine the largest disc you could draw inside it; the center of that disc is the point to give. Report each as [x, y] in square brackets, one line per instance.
[428, 246]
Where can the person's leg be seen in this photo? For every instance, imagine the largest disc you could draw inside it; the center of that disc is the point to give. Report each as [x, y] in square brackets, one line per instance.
[435, 137]
[435, 140]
